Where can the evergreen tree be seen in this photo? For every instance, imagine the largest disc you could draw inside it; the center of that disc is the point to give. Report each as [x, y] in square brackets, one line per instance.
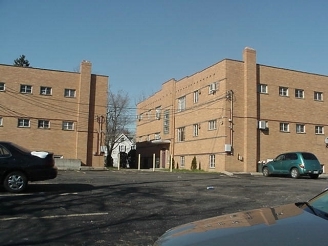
[21, 62]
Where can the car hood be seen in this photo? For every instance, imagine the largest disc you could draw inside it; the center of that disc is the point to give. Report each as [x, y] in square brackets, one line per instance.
[282, 225]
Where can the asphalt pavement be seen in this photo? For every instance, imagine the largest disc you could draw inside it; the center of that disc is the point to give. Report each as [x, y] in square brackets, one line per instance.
[130, 207]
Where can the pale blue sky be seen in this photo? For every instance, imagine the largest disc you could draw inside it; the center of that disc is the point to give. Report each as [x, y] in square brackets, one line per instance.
[141, 44]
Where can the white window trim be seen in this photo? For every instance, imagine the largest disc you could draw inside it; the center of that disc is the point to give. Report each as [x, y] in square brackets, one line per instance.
[158, 113]
[69, 93]
[299, 91]
[2, 86]
[196, 130]
[263, 89]
[319, 130]
[24, 121]
[26, 89]
[212, 125]
[283, 91]
[181, 103]
[44, 90]
[196, 96]
[212, 161]
[182, 161]
[1, 121]
[284, 127]
[318, 96]
[181, 134]
[45, 124]
[68, 125]
[300, 128]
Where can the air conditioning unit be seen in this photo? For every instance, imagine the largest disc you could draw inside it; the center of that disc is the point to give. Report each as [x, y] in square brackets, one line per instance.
[262, 125]
[227, 147]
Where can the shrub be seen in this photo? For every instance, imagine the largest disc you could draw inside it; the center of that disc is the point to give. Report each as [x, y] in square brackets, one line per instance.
[194, 163]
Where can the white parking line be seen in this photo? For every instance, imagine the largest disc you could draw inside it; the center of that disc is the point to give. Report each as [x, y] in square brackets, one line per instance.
[53, 216]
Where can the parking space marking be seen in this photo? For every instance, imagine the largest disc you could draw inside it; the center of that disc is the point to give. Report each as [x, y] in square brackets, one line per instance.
[54, 216]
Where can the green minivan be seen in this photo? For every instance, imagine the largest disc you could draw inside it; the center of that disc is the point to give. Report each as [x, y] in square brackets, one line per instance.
[295, 164]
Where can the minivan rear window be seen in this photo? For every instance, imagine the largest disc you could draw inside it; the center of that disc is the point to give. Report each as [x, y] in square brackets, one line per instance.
[309, 156]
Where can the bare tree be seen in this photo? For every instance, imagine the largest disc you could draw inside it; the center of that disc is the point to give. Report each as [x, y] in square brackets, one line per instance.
[117, 120]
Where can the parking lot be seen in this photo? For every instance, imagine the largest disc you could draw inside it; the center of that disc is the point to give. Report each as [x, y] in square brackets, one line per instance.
[130, 207]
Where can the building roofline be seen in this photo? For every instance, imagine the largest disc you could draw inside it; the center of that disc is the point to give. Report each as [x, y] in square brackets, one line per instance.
[46, 69]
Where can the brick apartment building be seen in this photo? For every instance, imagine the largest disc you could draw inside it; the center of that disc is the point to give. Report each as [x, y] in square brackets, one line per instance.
[232, 115]
[56, 111]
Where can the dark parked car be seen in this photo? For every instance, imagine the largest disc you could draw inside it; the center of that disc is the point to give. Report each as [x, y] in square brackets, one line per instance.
[301, 223]
[295, 164]
[18, 166]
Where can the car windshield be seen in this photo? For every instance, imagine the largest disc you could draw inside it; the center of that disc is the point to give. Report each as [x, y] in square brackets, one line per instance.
[318, 205]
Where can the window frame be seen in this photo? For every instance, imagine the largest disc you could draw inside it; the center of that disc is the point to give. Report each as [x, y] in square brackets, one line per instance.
[181, 104]
[158, 111]
[319, 130]
[68, 126]
[181, 134]
[68, 92]
[43, 124]
[195, 130]
[26, 89]
[212, 125]
[166, 121]
[45, 89]
[284, 127]
[299, 93]
[283, 91]
[182, 161]
[261, 86]
[22, 123]
[2, 86]
[318, 96]
[212, 161]
[1, 121]
[196, 96]
[300, 128]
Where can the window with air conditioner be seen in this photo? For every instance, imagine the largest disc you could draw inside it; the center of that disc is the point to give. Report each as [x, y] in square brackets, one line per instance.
[212, 88]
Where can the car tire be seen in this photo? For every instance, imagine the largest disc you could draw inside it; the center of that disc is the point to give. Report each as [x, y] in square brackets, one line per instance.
[15, 182]
[314, 176]
[294, 173]
[265, 172]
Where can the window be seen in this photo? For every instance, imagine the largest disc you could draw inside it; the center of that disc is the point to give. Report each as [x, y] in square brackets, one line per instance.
[26, 89]
[300, 128]
[212, 125]
[182, 161]
[69, 93]
[166, 121]
[122, 148]
[284, 127]
[212, 161]
[2, 86]
[181, 134]
[212, 88]
[181, 104]
[319, 130]
[23, 123]
[4, 152]
[196, 127]
[318, 96]
[158, 113]
[283, 91]
[68, 125]
[45, 90]
[299, 93]
[263, 88]
[44, 124]
[1, 121]
[196, 96]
